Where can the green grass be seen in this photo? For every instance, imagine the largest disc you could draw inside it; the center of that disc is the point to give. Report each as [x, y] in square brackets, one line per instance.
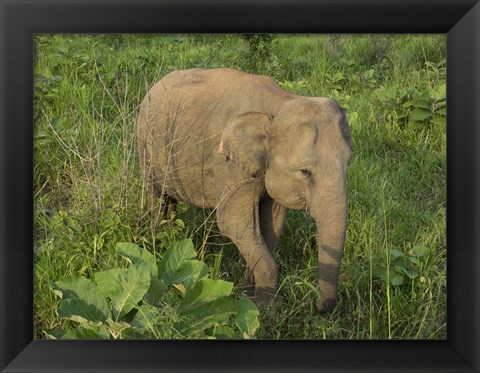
[89, 194]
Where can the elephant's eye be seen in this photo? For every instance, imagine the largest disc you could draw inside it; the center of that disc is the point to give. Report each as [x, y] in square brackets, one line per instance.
[306, 172]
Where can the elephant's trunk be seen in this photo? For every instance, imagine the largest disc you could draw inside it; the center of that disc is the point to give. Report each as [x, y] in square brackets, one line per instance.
[330, 213]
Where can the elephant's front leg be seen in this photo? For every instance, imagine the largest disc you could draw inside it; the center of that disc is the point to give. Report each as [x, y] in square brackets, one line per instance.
[272, 218]
[238, 219]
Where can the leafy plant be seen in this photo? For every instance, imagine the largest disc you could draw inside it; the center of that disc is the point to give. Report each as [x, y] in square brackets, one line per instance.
[403, 265]
[45, 87]
[293, 86]
[410, 106]
[259, 50]
[336, 80]
[171, 299]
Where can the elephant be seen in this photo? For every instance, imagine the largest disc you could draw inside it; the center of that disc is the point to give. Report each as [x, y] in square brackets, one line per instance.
[238, 143]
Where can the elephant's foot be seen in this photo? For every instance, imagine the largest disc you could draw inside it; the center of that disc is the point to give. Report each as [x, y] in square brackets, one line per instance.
[325, 305]
[267, 298]
[248, 284]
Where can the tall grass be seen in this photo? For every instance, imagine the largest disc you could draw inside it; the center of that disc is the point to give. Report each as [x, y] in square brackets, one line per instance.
[89, 194]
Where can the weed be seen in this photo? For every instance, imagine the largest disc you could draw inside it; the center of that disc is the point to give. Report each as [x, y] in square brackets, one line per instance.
[174, 299]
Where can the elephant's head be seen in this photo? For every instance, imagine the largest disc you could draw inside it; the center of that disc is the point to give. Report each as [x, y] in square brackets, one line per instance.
[302, 153]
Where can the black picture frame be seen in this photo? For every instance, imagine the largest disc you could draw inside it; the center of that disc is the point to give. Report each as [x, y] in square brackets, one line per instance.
[459, 19]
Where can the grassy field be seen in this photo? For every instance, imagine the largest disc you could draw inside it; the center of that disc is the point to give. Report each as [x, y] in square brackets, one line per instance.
[89, 194]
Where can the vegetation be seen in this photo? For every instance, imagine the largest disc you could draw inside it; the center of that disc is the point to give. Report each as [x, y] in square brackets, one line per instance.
[89, 195]
[174, 299]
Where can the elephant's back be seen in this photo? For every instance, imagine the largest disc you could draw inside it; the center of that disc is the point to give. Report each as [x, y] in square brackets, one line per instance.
[182, 118]
[222, 85]
[208, 77]
[198, 103]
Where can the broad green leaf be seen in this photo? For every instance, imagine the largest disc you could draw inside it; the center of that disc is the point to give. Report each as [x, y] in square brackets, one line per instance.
[58, 293]
[131, 286]
[137, 255]
[126, 287]
[57, 124]
[174, 257]
[440, 108]
[79, 311]
[442, 112]
[87, 331]
[410, 274]
[442, 63]
[396, 254]
[55, 333]
[353, 117]
[189, 273]
[419, 115]
[134, 285]
[180, 288]
[399, 267]
[107, 281]
[205, 291]
[440, 92]
[82, 292]
[414, 260]
[396, 279]
[426, 97]
[82, 333]
[117, 327]
[144, 319]
[387, 93]
[73, 286]
[432, 66]
[155, 292]
[41, 138]
[99, 329]
[380, 273]
[247, 318]
[180, 223]
[423, 103]
[214, 313]
[420, 251]
[338, 76]
[224, 332]
[368, 74]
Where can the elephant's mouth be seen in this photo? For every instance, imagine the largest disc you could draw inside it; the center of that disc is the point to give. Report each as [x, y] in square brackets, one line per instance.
[302, 202]
[304, 206]
[297, 203]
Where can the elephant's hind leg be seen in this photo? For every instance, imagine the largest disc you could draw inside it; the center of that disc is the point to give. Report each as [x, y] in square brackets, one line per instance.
[169, 206]
[160, 203]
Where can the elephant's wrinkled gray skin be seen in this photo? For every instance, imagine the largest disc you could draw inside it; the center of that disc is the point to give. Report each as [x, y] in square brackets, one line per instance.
[240, 144]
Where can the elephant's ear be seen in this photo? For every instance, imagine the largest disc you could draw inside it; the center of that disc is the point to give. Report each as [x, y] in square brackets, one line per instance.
[245, 142]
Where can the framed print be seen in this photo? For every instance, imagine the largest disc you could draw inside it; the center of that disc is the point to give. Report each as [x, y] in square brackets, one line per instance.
[364, 115]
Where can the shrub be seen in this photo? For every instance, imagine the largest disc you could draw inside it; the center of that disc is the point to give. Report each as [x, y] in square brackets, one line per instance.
[172, 299]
